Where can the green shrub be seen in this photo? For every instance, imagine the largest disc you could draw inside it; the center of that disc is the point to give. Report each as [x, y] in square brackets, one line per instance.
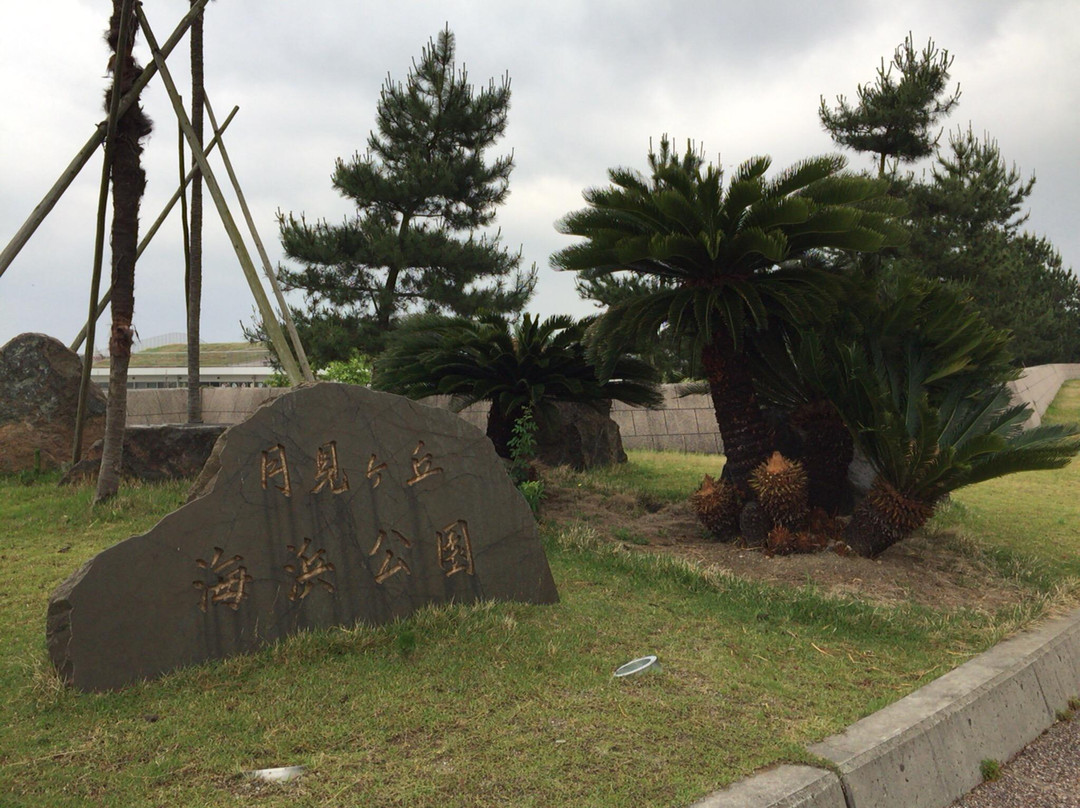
[527, 364]
[354, 370]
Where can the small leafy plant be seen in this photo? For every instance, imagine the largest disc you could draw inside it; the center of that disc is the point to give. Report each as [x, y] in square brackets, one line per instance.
[990, 769]
[533, 491]
[354, 370]
[522, 445]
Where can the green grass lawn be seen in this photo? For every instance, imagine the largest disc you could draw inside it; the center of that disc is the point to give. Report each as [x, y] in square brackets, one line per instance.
[662, 476]
[489, 704]
[1035, 514]
[211, 354]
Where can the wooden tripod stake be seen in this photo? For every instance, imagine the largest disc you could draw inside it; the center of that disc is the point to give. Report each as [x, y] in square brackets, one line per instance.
[99, 237]
[273, 328]
[294, 370]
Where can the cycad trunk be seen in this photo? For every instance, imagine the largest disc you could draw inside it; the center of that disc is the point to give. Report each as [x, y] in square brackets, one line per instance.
[748, 440]
[884, 517]
[194, 275]
[827, 452]
[500, 429]
[128, 183]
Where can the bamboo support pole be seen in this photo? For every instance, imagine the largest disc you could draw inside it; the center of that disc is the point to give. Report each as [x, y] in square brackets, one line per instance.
[273, 328]
[184, 212]
[38, 214]
[99, 236]
[152, 231]
[268, 269]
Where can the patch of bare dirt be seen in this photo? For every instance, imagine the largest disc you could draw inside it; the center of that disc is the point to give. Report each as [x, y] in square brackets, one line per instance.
[919, 569]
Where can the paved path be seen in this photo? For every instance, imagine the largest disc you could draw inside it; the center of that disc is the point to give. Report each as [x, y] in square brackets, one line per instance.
[1044, 775]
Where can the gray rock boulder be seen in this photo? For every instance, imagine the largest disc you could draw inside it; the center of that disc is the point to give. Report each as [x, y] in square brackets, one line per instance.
[155, 453]
[580, 436]
[39, 396]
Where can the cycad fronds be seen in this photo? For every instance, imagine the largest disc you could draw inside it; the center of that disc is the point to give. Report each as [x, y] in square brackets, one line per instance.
[928, 408]
[726, 245]
[728, 262]
[525, 365]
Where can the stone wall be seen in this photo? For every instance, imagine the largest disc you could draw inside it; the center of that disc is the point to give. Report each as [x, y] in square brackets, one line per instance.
[1038, 386]
[475, 414]
[221, 405]
[684, 424]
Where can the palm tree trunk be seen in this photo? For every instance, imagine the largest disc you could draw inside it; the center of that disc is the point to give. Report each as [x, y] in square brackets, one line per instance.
[194, 275]
[128, 183]
[748, 440]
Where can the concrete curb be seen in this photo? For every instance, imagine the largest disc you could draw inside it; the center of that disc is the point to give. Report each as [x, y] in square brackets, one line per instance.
[783, 787]
[924, 750]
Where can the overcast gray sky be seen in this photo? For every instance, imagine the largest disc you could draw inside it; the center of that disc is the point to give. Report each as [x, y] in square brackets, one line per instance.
[592, 81]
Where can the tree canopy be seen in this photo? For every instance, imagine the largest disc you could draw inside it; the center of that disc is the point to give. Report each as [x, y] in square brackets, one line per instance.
[966, 216]
[895, 116]
[966, 222]
[424, 192]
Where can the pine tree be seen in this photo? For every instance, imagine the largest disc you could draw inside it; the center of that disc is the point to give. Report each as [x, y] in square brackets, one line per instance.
[972, 191]
[1038, 299]
[894, 117]
[966, 225]
[966, 218]
[422, 184]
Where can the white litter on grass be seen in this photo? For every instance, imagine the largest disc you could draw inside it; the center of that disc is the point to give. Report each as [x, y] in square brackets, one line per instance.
[281, 774]
[645, 663]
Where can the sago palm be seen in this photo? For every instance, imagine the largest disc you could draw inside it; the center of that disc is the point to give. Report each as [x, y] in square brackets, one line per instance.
[896, 315]
[728, 259]
[527, 365]
[920, 453]
[923, 393]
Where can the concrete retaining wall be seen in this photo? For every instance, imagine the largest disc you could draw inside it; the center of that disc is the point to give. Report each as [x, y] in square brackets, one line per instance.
[221, 405]
[1038, 386]
[685, 424]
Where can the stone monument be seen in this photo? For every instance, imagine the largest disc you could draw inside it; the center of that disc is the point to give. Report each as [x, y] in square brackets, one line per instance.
[332, 504]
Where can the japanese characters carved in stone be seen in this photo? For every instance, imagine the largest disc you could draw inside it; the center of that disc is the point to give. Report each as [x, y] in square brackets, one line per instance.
[333, 504]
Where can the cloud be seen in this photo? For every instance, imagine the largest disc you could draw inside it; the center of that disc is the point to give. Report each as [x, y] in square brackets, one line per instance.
[592, 83]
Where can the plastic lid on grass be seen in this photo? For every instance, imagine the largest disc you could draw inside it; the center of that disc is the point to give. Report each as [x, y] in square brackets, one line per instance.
[280, 774]
[639, 665]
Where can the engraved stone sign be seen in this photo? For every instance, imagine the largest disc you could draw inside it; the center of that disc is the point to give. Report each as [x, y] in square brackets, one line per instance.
[333, 504]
